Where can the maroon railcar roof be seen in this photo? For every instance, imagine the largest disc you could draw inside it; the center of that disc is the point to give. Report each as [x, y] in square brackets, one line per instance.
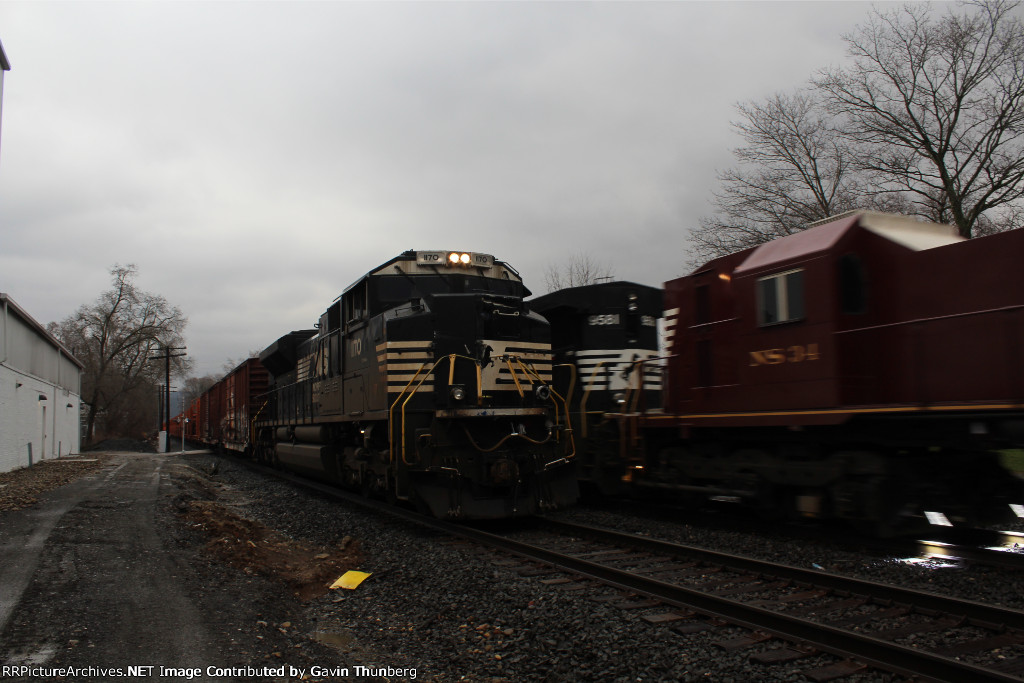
[906, 231]
[810, 241]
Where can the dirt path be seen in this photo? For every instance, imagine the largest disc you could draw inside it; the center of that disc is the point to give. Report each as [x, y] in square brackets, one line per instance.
[111, 593]
[106, 574]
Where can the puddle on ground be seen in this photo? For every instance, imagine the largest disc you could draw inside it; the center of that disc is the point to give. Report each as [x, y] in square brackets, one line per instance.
[342, 640]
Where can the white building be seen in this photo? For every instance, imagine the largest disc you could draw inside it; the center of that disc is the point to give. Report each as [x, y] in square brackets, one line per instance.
[40, 391]
[40, 382]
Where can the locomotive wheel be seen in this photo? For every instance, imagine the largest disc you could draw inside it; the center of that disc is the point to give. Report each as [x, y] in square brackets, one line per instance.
[420, 505]
[768, 499]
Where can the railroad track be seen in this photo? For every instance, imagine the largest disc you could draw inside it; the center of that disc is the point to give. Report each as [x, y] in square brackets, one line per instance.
[808, 612]
[1002, 549]
[815, 609]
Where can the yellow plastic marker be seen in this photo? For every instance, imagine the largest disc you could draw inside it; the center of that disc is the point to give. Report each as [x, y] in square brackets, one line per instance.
[350, 580]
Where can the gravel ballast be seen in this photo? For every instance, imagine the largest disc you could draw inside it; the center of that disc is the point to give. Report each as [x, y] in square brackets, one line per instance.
[447, 610]
[443, 610]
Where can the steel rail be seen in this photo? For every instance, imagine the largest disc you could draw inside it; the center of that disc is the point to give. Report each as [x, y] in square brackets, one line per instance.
[978, 611]
[879, 653]
[884, 655]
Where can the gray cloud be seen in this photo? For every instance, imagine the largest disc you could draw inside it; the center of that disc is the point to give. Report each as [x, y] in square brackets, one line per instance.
[255, 158]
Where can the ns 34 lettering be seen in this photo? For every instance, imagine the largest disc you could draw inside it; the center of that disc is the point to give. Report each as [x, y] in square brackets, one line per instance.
[790, 354]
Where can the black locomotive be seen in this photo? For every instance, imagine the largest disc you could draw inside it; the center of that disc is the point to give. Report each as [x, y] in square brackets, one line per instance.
[605, 341]
[428, 381]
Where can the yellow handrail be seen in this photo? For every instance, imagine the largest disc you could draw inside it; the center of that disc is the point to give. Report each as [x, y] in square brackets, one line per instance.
[391, 412]
[515, 378]
[408, 391]
[252, 422]
[568, 419]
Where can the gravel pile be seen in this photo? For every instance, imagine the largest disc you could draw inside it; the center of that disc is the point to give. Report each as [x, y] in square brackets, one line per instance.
[447, 610]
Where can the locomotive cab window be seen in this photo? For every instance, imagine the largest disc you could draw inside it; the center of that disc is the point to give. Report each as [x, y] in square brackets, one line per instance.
[355, 303]
[702, 305]
[853, 294]
[780, 298]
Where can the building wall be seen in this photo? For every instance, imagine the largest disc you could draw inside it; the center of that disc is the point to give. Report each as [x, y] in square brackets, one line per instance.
[40, 387]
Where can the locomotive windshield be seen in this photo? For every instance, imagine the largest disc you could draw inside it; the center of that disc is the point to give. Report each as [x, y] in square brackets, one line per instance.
[396, 289]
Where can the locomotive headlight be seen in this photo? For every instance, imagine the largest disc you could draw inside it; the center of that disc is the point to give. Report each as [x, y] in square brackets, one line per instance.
[458, 258]
[542, 392]
[457, 393]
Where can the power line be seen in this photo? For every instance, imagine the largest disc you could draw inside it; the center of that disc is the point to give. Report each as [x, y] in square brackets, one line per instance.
[167, 359]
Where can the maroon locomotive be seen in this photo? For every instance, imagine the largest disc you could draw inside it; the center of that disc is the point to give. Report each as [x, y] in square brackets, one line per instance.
[868, 368]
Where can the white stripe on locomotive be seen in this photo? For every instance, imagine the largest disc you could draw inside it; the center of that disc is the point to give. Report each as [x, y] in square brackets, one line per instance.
[671, 317]
[404, 359]
[604, 369]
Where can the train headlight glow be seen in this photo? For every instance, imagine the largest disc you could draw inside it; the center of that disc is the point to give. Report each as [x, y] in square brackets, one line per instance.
[458, 393]
[456, 258]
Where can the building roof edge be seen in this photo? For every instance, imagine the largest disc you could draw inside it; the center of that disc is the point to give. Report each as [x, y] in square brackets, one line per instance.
[10, 304]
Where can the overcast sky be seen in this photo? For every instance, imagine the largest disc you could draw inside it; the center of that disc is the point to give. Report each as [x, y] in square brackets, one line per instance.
[254, 158]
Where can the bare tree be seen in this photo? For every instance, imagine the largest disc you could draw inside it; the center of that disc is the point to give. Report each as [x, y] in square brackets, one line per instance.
[115, 338]
[231, 363]
[581, 269]
[796, 168]
[194, 387]
[936, 107]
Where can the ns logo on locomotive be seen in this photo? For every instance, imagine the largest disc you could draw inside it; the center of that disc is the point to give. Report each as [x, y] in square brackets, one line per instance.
[428, 381]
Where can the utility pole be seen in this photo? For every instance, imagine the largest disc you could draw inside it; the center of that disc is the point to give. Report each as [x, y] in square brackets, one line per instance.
[167, 401]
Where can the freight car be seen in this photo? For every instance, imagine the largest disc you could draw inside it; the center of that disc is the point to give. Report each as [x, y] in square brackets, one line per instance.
[605, 342]
[868, 369]
[428, 381]
[220, 416]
